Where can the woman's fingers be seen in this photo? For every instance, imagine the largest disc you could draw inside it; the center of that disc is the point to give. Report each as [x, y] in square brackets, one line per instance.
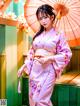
[20, 71]
[41, 60]
[19, 74]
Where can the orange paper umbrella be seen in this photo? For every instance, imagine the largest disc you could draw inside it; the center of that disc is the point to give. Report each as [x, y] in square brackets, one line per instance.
[67, 19]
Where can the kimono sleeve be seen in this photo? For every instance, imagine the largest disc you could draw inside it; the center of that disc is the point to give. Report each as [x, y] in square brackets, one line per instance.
[63, 55]
[29, 60]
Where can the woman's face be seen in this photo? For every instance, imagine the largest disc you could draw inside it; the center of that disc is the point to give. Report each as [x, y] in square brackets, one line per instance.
[45, 20]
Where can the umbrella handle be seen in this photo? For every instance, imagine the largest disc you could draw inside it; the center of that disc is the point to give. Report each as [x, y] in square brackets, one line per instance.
[59, 15]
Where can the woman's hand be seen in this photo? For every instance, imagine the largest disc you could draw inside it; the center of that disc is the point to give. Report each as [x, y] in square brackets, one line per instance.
[44, 60]
[20, 71]
[19, 74]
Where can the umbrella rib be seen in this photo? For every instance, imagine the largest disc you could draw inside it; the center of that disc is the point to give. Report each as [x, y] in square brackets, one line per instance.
[74, 7]
[56, 0]
[64, 26]
[51, 1]
[32, 23]
[73, 3]
[78, 14]
[30, 15]
[34, 6]
[61, 1]
[45, 1]
[71, 28]
[65, 1]
[29, 6]
[75, 21]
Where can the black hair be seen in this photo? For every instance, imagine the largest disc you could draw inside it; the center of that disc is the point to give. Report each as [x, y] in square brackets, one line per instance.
[44, 9]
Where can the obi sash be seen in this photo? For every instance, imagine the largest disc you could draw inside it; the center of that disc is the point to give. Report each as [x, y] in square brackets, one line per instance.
[42, 53]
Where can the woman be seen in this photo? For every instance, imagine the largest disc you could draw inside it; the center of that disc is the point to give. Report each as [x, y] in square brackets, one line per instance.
[47, 58]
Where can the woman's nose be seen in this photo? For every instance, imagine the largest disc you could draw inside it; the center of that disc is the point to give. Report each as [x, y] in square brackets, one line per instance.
[43, 19]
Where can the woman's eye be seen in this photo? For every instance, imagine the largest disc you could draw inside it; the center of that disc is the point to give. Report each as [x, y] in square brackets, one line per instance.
[44, 17]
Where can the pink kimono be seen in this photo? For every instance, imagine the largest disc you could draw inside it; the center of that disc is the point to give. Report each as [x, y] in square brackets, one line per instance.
[42, 80]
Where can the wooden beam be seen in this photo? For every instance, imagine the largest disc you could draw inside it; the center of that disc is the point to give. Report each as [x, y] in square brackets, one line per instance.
[8, 22]
[6, 4]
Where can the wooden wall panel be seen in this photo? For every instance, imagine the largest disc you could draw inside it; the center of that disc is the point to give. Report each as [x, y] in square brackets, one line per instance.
[74, 64]
[2, 76]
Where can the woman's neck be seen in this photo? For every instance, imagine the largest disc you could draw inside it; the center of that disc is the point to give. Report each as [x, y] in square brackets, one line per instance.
[47, 30]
